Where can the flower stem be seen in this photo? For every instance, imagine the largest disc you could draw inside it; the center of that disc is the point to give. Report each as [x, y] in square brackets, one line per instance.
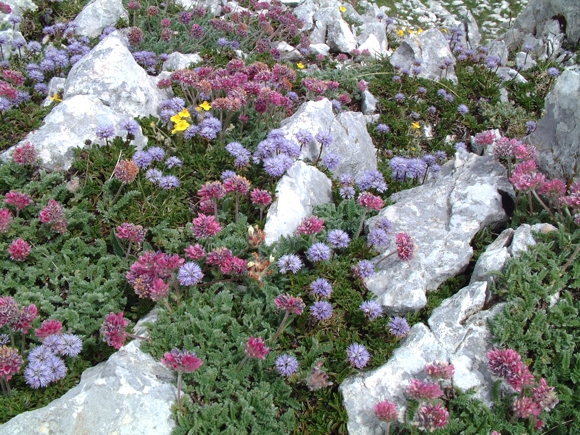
[179, 391]
[571, 260]
[543, 204]
[362, 221]
[118, 193]
[281, 327]
[243, 362]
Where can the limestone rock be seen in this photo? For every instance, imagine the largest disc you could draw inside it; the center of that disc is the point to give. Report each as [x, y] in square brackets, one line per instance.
[369, 103]
[557, 136]
[524, 61]
[441, 216]
[129, 393]
[432, 49]
[339, 37]
[67, 127]
[297, 192]
[177, 60]
[97, 15]
[494, 258]
[110, 73]
[524, 237]
[351, 140]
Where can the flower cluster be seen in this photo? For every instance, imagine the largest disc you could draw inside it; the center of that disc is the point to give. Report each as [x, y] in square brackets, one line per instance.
[416, 169]
[182, 361]
[114, 331]
[53, 214]
[276, 153]
[19, 250]
[18, 319]
[149, 275]
[25, 154]
[256, 348]
[134, 233]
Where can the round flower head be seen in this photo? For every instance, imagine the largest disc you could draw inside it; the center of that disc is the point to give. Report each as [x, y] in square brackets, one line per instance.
[256, 348]
[399, 327]
[371, 309]
[321, 287]
[289, 303]
[289, 263]
[364, 269]
[105, 131]
[358, 356]
[321, 310]
[310, 225]
[190, 274]
[19, 250]
[126, 171]
[431, 417]
[319, 252]
[386, 411]
[10, 362]
[418, 389]
[286, 365]
[182, 361]
[338, 239]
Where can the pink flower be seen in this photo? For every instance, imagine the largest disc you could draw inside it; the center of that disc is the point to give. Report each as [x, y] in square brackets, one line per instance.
[182, 361]
[368, 200]
[418, 389]
[237, 184]
[195, 252]
[440, 370]
[260, 197]
[48, 327]
[289, 303]
[386, 411]
[362, 85]
[126, 171]
[234, 266]
[256, 348]
[553, 189]
[135, 233]
[432, 417]
[17, 199]
[5, 219]
[485, 138]
[150, 273]
[9, 311]
[53, 214]
[311, 225]
[10, 362]
[526, 177]
[212, 190]
[205, 226]
[113, 330]
[25, 318]
[504, 148]
[545, 396]
[524, 152]
[507, 364]
[19, 250]
[219, 256]
[405, 246]
[526, 407]
[25, 154]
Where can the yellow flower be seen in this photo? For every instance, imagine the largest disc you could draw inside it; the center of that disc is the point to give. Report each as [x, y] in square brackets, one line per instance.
[55, 97]
[419, 31]
[175, 118]
[416, 125]
[342, 9]
[411, 32]
[184, 114]
[203, 106]
[180, 125]
[444, 30]
[300, 65]
[401, 32]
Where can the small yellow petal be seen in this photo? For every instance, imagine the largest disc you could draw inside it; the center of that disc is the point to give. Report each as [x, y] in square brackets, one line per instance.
[175, 118]
[205, 106]
[342, 9]
[401, 32]
[184, 114]
[416, 125]
[301, 65]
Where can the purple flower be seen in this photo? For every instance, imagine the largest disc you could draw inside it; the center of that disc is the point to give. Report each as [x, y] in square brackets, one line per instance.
[399, 327]
[463, 109]
[190, 274]
[422, 90]
[347, 192]
[400, 97]
[227, 174]
[321, 287]
[37, 374]
[377, 238]
[191, 131]
[156, 153]
[372, 179]
[169, 182]
[383, 128]
[304, 137]
[39, 354]
[53, 343]
[531, 126]
[364, 269]
[276, 166]
[154, 175]
[142, 159]
[322, 310]
[431, 110]
[324, 138]
[331, 161]
[358, 355]
[286, 365]
[241, 154]
[319, 252]
[460, 146]
[289, 263]
[338, 239]
[553, 72]
[130, 126]
[71, 345]
[105, 131]
[384, 224]
[372, 309]
[173, 161]
[56, 368]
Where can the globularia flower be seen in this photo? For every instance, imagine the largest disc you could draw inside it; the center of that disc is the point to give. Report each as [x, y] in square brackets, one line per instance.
[319, 252]
[324, 138]
[364, 269]
[105, 131]
[372, 309]
[322, 310]
[321, 287]
[173, 162]
[338, 239]
[190, 274]
[154, 175]
[156, 153]
[358, 355]
[143, 159]
[286, 365]
[289, 263]
[399, 327]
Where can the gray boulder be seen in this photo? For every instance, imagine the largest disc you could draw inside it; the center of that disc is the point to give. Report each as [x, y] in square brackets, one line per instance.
[534, 17]
[110, 73]
[130, 393]
[177, 60]
[329, 22]
[432, 49]
[524, 61]
[67, 127]
[351, 140]
[373, 37]
[301, 189]
[557, 136]
[494, 258]
[97, 15]
[441, 216]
